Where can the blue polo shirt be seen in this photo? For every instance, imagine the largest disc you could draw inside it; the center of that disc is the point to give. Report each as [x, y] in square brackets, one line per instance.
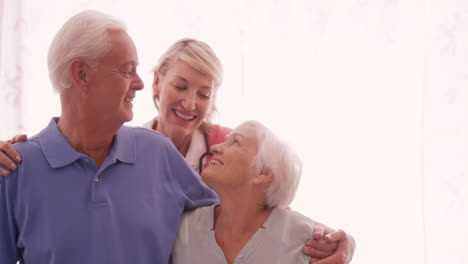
[58, 207]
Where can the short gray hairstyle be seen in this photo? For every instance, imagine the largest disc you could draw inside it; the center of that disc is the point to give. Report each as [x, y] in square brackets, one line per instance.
[282, 161]
[86, 36]
[198, 55]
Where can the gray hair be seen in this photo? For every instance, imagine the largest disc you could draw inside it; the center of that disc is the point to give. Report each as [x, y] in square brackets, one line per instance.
[198, 55]
[282, 161]
[85, 36]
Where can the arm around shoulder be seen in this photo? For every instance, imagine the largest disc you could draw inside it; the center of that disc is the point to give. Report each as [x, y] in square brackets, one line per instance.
[194, 191]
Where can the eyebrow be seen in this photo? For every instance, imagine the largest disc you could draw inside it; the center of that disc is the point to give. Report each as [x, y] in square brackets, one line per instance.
[131, 62]
[181, 78]
[185, 80]
[234, 135]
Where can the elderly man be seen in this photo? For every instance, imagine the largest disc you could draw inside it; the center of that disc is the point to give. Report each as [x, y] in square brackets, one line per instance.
[89, 189]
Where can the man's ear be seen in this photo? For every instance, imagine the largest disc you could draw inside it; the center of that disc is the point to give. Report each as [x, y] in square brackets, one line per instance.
[79, 71]
[264, 176]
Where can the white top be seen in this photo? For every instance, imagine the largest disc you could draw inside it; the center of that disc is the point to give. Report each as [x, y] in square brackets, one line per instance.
[196, 149]
[280, 240]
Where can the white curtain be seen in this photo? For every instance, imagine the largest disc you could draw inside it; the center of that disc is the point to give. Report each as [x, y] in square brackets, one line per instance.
[11, 67]
[372, 94]
[445, 133]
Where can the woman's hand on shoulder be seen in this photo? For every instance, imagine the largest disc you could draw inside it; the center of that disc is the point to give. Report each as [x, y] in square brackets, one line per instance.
[9, 157]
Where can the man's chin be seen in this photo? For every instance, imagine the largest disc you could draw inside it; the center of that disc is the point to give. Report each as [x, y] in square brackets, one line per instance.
[128, 117]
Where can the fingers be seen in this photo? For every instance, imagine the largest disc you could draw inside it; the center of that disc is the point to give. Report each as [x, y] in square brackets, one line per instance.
[320, 232]
[10, 151]
[316, 253]
[344, 252]
[340, 244]
[18, 138]
[336, 258]
[7, 154]
[335, 236]
[322, 245]
[346, 246]
[4, 172]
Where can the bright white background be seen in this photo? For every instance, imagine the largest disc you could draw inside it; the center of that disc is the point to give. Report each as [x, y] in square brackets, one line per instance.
[371, 93]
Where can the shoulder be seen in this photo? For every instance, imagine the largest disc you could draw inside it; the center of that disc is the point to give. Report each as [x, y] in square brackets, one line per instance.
[200, 213]
[152, 145]
[294, 225]
[194, 243]
[300, 220]
[31, 152]
[143, 131]
[198, 219]
[31, 147]
[149, 124]
[145, 135]
[295, 218]
[217, 134]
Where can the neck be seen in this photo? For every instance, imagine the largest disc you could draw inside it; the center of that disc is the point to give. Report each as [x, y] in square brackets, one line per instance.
[88, 136]
[241, 214]
[236, 221]
[181, 142]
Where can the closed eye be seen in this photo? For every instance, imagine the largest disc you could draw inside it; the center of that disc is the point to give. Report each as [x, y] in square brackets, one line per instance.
[181, 88]
[126, 74]
[127, 69]
[234, 138]
[235, 141]
[204, 96]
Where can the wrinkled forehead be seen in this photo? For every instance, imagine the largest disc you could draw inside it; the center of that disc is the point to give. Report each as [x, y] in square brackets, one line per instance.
[248, 131]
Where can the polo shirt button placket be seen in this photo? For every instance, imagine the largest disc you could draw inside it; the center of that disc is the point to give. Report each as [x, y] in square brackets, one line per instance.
[97, 197]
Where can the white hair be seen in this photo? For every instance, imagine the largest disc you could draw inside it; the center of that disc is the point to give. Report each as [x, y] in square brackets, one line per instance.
[281, 161]
[85, 36]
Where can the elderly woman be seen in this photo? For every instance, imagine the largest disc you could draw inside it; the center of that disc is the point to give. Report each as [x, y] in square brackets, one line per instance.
[255, 176]
[185, 85]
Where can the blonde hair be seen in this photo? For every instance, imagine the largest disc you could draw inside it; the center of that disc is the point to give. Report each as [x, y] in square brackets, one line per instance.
[86, 35]
[198, 55]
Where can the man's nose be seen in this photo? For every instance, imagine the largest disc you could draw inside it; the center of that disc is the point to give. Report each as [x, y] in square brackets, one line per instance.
[137, 83]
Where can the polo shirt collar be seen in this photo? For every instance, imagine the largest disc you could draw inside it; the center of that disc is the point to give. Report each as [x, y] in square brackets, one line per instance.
[60, 153]
[57, 150]
[270, 221]
[124, 146]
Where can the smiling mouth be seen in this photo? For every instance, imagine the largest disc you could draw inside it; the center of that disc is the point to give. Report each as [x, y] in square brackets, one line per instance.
[128, 99]
[216, 162]
[184, 117]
